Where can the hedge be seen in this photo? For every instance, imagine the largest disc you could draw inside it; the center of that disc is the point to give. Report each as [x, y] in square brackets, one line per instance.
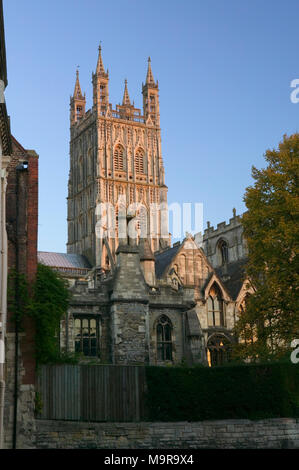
[229, 392]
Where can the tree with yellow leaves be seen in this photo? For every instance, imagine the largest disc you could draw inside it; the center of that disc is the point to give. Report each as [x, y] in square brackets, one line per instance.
[271, 319]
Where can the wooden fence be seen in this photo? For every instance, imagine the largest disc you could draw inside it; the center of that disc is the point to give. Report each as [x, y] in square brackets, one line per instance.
[92, 393]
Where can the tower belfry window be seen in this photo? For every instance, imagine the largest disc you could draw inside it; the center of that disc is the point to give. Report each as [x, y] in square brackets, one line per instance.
[139, 165]
[78, 110]
[118, 158]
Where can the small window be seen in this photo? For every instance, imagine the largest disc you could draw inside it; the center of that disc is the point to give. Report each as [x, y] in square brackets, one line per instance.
[87, 336]
[164, 339]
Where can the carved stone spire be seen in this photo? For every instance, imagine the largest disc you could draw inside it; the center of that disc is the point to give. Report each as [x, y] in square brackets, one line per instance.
[77, 90]
[150, 93]
[100, 66]
[100, 80]
[126, 98]
[78, 102]
[149, 77]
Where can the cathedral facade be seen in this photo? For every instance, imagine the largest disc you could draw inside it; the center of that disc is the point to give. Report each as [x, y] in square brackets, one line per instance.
[135, 298]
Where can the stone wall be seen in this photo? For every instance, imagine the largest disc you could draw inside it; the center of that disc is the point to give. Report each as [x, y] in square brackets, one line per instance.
[232, 234]
[26, 399]
[228, 434]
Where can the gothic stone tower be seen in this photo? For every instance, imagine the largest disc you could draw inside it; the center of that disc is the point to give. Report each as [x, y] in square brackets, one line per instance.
[114, 152]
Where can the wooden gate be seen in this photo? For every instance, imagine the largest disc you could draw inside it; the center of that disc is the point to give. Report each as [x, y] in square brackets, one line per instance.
[92, 393]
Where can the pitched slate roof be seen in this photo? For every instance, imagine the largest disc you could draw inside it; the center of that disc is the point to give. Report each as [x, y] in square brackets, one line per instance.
[63, 260]
[164, 258]
[232, 276]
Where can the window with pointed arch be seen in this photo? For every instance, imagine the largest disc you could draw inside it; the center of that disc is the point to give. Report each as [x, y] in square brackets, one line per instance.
[79, 112]
[215, 307]
[223, 251]
[218, 350]
[139, 163]
[164, 338]
[118, 158]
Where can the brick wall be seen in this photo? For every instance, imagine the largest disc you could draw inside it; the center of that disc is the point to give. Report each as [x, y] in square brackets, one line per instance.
[22, 223]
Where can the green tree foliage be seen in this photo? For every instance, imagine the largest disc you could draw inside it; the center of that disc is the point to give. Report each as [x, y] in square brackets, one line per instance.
[271, 319]
[50, 303]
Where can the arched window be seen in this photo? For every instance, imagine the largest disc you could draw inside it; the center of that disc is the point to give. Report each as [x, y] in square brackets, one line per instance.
[164, 339]
[118, 158]
[223, 249]
[218, 350]
[215, 307]
[79, 112]
[139, 164]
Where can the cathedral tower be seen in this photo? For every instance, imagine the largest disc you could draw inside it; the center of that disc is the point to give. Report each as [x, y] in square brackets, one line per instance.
[115, 153]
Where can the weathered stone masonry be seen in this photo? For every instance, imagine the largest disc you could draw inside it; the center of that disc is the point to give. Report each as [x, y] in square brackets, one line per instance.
[280, 433]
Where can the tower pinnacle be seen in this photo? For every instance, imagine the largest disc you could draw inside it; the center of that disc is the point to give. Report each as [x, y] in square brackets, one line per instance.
[149, 77]
[150, 93]
[100, 66]
[77, 90]
[126, 98]
[78, 102]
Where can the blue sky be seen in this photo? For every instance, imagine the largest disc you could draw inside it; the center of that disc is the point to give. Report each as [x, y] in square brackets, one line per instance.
[224, 71]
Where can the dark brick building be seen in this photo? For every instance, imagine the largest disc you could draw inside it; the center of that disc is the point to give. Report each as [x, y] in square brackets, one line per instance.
[21, 225]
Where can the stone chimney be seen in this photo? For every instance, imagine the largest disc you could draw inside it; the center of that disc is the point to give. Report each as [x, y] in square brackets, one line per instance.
[130, 308]
[147, 262]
